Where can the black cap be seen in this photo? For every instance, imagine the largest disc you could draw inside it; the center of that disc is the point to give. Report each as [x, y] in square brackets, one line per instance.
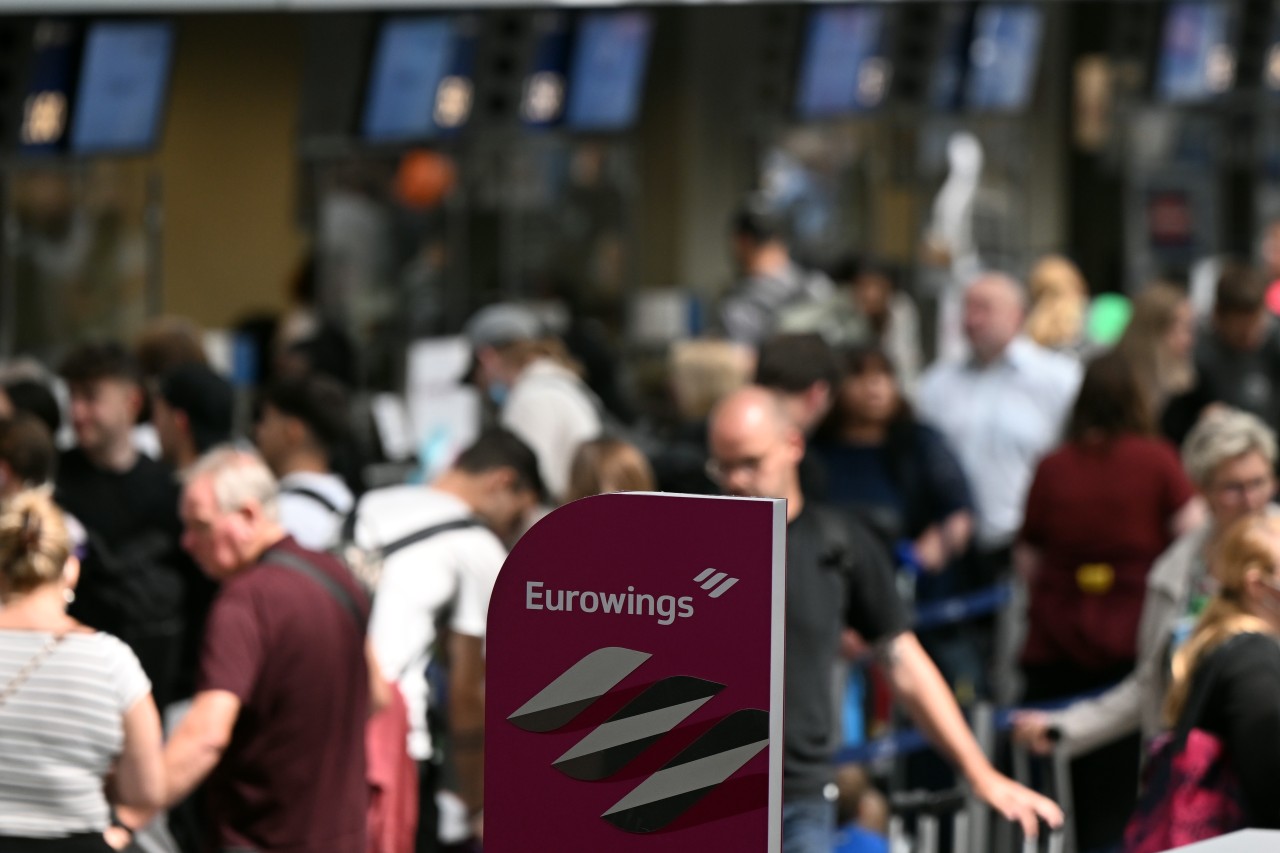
[205, 398]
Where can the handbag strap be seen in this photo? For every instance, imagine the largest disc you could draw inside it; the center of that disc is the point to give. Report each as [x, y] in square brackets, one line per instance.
[30, 667]
[339, 593]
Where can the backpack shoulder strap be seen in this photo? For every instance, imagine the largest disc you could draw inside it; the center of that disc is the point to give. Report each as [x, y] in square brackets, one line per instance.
[426, 533]
[312, 494]
[303, 566]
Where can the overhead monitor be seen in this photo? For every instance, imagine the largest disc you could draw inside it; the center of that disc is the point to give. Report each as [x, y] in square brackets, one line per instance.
[844, 69]
[124, 78]
[951, 63]
[412, 58]
[46, 103]
[1003, 56]
[606, 81]
[1197, 59]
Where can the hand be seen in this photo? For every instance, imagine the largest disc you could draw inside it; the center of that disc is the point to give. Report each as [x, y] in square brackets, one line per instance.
[852, 646]
[1018, 803]
[1033, 730]
[931, 551]
[117, 838]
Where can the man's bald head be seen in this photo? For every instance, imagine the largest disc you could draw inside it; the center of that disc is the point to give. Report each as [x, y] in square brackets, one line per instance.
[994, 310]
[755, 448]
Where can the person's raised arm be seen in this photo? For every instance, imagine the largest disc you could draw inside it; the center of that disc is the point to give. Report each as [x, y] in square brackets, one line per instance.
[924, 693]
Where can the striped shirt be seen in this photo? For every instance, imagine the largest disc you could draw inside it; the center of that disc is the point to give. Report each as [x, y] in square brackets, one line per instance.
[61, 731]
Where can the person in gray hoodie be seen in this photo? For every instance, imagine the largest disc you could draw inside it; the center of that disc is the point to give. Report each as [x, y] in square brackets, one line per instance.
[1230, 455]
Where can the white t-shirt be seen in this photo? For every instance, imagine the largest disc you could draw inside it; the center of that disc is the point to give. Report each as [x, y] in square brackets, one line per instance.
[551, 411]
[452, 571]
[308, 520]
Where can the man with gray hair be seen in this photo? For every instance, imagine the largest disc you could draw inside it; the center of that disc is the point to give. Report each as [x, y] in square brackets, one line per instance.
[1001, 409]
[1230, 456]
[278, 722]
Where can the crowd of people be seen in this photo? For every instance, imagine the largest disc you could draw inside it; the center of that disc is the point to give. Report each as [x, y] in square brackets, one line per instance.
[220, 638]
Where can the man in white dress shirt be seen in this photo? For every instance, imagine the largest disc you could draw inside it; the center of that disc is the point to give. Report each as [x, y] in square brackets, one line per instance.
[1002, 408]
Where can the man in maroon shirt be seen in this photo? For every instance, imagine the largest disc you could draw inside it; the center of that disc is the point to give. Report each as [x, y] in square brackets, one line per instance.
[277, 725]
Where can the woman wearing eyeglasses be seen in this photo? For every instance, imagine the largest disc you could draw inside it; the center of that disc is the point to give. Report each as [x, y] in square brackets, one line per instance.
[77, 721]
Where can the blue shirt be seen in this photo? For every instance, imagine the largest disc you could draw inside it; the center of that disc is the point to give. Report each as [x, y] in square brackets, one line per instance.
[1001, 418]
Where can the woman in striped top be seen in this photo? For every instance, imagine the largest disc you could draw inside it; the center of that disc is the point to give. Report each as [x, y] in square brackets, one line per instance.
[77, 721]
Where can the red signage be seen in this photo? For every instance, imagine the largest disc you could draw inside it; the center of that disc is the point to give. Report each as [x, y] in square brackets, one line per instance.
[634, 691]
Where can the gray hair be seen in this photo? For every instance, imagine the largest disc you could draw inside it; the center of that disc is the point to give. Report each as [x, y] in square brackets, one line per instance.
[1222, 435]
[238, 476]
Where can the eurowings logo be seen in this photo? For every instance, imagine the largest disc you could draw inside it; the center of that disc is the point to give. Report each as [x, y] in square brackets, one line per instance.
[717, 582]
[695, 772]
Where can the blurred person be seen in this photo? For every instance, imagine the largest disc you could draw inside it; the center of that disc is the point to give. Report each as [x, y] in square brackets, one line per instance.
[701, 374]
[1233, 659]
[28, 458]
[1230, 456]
[192, 409]
[899, 472]
[802, 369]
[37, 398]
[862, 813]
[1059, 304]
[769, 281]
[537, 388]
[438, 577]
[76, 714]
[1237, 360]
[167, 343]
[1001, 409]
[135, 583]
[756, 451]
[1159, 344]
[608, 465]
[1101, 509]
[891, 314]
[303, 424]
[6, 405]
[277, 727]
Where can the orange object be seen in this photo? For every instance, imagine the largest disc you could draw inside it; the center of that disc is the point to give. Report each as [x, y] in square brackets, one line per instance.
[424, 179]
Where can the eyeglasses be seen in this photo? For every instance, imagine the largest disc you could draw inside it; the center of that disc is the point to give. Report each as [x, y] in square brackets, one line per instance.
[721, 470]
[1243, 488]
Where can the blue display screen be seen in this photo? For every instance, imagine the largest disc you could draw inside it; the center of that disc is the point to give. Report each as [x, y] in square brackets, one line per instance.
[843, 71]
[1003, 57]
[610, 56]
[124, 76]
[413, 56]
[1196, 60]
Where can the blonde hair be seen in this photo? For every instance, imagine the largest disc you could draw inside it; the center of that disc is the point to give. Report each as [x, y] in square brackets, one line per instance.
[704, 372]
[238, 476]
[1222, 435]
[1059, 297]
[520, 354]
[34, 542]
[608, 465]
[1252, 544]
[1155, 310]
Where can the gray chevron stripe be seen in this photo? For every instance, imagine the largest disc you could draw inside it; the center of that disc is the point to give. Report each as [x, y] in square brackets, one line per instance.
[580, 685]
[632, 729]
[692, 776]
